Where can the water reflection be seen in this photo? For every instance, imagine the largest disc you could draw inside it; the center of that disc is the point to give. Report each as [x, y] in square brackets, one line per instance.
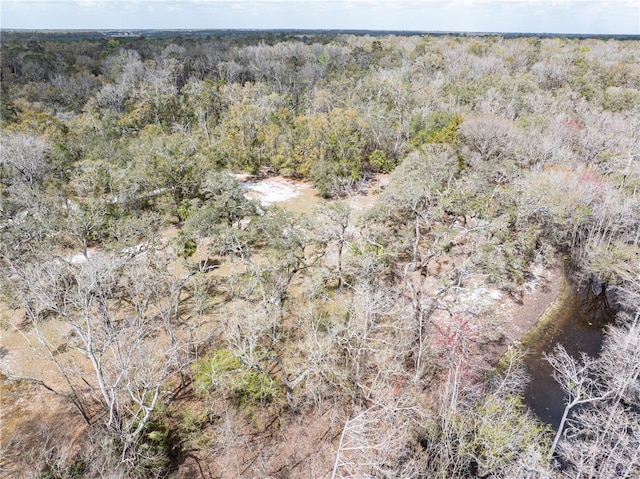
[578, 327]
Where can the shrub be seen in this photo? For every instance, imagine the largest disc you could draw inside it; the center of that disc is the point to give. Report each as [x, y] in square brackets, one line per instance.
[438, 127]
[225, 372]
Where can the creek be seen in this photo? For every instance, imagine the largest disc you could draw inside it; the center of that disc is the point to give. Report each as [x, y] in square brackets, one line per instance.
[578, 324]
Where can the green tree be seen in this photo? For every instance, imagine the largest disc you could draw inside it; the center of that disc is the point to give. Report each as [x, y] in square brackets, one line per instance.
[216, 219]
[415, 193]
[330, 149]
[170, 164]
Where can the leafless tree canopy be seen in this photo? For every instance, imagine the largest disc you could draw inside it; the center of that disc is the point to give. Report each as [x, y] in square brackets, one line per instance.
[159, 320]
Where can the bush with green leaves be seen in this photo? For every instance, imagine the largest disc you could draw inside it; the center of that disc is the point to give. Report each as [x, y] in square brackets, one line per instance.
[437, 127]
[224, 372]
[381, 161]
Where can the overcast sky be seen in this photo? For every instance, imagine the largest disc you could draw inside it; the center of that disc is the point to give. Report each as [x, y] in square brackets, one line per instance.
[530, 16]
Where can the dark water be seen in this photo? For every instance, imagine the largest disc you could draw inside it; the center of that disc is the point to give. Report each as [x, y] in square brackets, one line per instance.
[578, 327]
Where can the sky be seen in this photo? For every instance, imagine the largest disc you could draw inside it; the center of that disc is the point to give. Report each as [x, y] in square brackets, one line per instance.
[527, 16]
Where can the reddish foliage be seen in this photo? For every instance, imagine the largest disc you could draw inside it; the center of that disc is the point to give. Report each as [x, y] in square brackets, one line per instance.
[458, 342]
[573, 123]
[594, 181]
[457, 337]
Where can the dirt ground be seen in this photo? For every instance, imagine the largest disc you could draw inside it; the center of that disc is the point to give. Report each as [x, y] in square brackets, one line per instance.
[515, 317]
[298, 196]
[23, 405]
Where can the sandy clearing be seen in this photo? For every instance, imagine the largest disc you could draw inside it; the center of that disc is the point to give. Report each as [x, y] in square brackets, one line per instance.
[274, 190]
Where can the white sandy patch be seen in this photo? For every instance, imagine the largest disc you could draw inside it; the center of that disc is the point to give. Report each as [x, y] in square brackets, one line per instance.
[273, 190]
[79, 258]
[476, 300]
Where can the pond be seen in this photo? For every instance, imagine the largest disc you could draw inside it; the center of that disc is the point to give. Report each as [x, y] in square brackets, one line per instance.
[578, 325]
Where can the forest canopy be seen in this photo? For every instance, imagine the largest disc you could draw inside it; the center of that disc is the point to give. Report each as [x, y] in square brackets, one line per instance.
[191, 328]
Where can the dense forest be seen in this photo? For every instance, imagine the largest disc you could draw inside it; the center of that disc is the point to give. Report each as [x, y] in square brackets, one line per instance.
[177, 327]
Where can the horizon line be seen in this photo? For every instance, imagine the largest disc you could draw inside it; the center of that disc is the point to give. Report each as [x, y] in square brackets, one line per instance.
[316, 30]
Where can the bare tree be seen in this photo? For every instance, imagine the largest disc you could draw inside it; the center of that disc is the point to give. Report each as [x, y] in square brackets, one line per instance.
[335, 229]
[423, 306]
[23, 159]
[602, 438]
[488, 138]
[116, 314]
[576, 379]
[367, 309]
[372, 441]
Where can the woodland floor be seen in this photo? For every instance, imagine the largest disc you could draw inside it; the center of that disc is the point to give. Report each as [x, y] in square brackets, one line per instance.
[28, 411]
